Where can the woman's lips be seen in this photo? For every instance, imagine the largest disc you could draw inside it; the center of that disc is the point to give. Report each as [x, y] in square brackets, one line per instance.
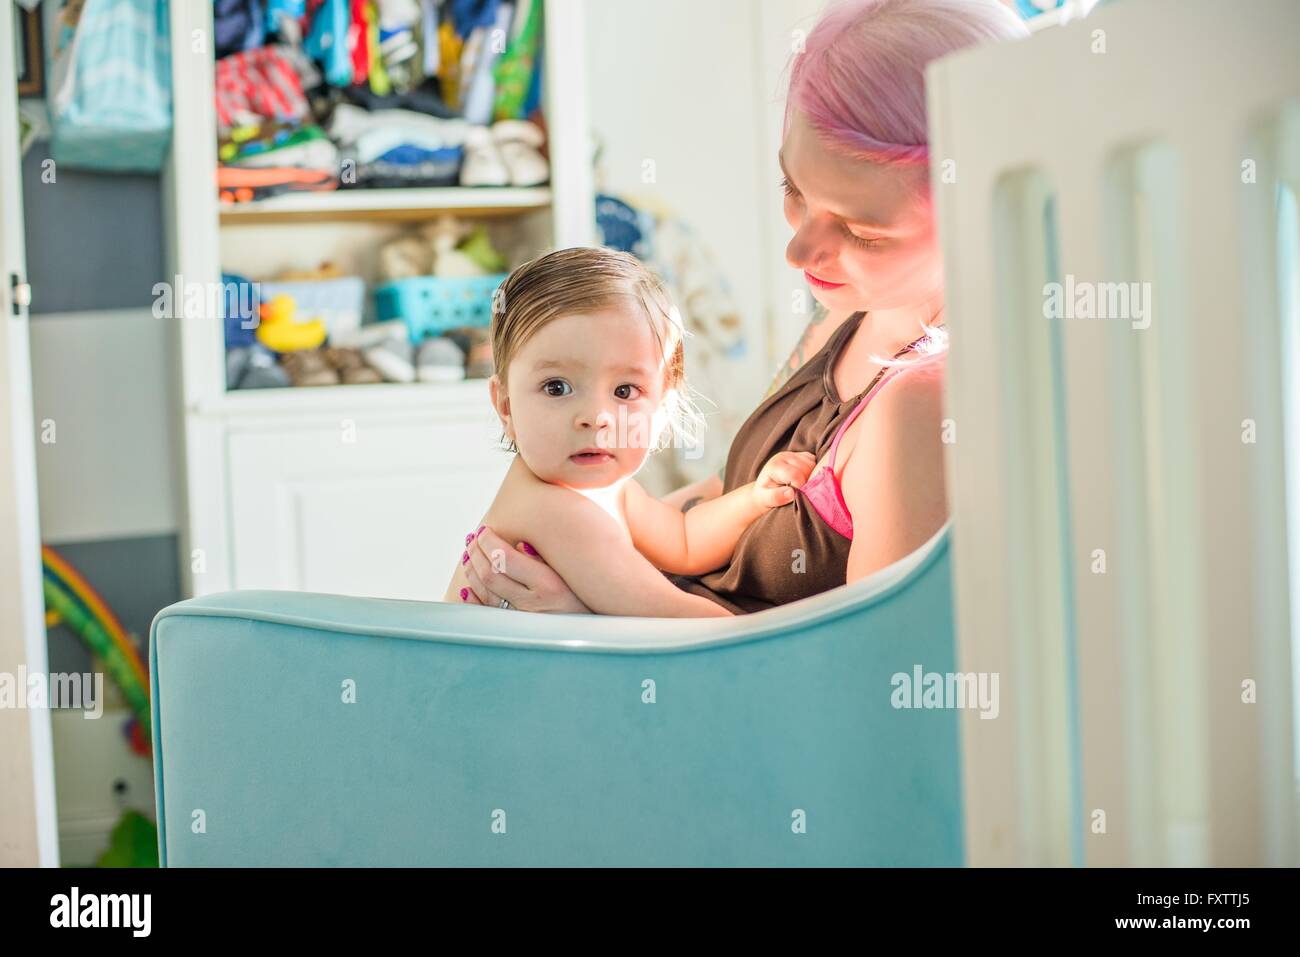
[591, 458]
[821, 283]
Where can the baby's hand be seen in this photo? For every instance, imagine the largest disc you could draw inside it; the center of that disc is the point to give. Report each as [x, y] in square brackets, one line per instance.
[783, 473]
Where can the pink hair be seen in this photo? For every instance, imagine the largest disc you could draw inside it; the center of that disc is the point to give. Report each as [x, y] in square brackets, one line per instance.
[860, 78]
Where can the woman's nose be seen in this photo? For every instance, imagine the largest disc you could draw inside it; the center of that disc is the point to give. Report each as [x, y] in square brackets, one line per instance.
[811, 247]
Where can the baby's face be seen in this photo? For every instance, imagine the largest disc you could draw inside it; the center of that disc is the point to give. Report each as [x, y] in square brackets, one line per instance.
[583, 398]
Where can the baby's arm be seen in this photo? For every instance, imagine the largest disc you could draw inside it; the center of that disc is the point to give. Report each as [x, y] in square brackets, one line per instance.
[587, 548]
[704, 538]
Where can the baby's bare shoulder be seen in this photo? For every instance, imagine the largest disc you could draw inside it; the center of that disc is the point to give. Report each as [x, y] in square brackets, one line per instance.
[526, 508]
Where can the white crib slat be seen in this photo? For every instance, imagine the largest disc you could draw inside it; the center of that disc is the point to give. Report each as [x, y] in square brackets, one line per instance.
[1228, 567]
[1277, 145]
[983, 499]
[1194, 598]
[1096, 393]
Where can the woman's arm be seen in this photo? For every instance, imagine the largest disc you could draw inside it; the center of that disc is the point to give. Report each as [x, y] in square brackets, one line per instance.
[587, 548]
[893, 482]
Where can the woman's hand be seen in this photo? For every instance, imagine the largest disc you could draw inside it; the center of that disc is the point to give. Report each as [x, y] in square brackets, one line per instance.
[783, 473]
[519, 575]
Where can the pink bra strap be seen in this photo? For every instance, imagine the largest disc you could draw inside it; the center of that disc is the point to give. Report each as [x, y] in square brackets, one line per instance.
[839, 433]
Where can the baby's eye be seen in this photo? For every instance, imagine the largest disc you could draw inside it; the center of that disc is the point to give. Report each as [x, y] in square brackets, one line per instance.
[556, 387]
[627, 392]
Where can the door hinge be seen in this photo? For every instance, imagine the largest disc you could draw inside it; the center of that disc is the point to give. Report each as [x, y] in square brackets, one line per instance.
[21, 293]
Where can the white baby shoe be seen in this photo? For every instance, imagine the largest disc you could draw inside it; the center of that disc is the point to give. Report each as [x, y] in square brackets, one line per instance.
[393, 359]
[440, 360]
[483, 164]
[520, 143]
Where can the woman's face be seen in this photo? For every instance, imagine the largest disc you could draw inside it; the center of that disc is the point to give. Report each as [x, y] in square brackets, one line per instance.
[862, 238]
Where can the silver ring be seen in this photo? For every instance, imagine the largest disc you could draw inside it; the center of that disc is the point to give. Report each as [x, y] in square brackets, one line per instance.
[504, 604]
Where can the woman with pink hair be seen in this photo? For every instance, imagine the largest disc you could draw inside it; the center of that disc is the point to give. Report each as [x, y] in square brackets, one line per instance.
[863, 390]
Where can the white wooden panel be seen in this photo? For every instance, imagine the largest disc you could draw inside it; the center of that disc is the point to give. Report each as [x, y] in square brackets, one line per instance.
[190, 223]
[109, 471]
[28, 834]
[568, 127]
[1141, 134]
[384, 515]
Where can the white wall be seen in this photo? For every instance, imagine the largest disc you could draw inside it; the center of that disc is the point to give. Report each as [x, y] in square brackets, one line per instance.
[781, 24]
[103, 401]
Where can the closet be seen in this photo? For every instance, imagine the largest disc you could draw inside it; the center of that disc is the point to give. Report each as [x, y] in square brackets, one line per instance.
[356, 489]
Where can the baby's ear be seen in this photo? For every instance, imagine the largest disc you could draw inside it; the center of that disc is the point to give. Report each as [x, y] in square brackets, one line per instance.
[500, 399]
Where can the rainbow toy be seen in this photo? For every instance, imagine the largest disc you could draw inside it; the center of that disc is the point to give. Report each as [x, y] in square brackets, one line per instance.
[69, 599]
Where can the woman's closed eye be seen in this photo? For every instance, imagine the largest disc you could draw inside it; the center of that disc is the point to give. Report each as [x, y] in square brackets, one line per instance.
[866, 242]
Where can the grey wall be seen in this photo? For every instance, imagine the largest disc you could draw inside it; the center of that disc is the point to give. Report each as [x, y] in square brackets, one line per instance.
[94, 242]
[136, 576]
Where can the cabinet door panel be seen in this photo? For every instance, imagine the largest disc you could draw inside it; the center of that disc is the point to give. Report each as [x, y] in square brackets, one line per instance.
[381, 511]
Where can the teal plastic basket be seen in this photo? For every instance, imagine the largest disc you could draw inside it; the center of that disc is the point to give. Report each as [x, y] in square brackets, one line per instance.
[430, 305]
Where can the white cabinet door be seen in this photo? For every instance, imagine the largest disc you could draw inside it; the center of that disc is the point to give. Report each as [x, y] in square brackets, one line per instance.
[368, 506]
[28, 831]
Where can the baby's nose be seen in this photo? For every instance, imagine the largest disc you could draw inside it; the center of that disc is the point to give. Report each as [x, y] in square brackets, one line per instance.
[596, 419]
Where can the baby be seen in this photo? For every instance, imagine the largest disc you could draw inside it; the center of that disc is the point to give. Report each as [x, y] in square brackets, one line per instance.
[589, 380]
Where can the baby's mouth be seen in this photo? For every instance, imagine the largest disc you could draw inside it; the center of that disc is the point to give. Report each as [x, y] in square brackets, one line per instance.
[591, 457]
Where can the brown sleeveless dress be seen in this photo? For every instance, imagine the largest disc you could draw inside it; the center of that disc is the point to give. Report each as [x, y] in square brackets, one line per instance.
[790, 552]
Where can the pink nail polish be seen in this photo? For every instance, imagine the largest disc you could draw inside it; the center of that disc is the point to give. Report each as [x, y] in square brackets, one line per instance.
[480, 528]
[464, 557]
[464, 594]
[528, 549]
[469, 538]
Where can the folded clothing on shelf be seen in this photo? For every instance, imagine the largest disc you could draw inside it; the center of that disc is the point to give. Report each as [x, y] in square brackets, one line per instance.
[397, 147]
[264, 83]
[279, 144]
[237, 184]
[399, 87]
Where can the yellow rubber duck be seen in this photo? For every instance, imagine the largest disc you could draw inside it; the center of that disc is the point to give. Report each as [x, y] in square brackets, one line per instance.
[280, 332]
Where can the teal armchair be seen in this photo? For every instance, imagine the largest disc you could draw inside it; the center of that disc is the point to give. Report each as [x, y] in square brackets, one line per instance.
[293, 728]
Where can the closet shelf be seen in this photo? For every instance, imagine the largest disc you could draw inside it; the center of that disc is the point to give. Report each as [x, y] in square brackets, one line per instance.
[335, 399]
[387, 204]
